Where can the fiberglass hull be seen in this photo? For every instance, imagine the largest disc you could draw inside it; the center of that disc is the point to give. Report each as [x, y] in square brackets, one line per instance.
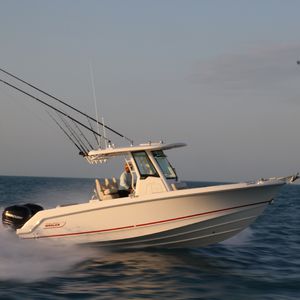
[190, 217]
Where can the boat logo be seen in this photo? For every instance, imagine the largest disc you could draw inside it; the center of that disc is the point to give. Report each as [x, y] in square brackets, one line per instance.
[54, 225]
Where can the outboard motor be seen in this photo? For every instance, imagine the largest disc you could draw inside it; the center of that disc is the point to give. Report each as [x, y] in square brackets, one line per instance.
[34, 208]
[16, 216]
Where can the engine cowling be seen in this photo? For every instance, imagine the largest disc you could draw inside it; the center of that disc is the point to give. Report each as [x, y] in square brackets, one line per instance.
[16, 216]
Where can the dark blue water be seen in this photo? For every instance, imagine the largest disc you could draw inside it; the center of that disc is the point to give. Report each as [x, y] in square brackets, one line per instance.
[263, 262]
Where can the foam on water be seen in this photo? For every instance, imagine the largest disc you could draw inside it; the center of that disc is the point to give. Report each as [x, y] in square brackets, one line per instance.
[240, 239]
[33, 260]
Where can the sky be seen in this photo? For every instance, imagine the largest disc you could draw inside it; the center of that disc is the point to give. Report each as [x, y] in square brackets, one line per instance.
[220, 76]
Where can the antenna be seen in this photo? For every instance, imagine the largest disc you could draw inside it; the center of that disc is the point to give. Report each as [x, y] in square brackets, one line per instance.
[95, 102]
[91, 126]
[104, 132]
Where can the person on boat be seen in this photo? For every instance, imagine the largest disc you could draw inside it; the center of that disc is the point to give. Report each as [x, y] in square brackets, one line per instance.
[125, 186]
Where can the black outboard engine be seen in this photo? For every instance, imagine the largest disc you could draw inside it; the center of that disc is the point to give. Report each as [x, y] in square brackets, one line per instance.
[16, 216]
[34, 208]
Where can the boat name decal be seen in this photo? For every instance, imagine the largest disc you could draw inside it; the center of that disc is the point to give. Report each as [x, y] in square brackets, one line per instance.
[54, 225]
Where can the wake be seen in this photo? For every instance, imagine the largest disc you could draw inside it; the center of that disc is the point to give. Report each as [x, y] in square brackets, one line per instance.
[34, 260]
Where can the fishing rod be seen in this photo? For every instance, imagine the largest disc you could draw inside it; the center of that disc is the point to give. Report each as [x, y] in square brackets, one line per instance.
[68, 105]
[81, 133]
[81, 152]
[54, 108]
[74, 134]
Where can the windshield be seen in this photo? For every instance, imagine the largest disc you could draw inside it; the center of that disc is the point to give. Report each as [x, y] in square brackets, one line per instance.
[144, 164]
[164, 164]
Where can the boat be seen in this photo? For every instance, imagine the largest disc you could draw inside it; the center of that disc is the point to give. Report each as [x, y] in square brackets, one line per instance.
[159, 211]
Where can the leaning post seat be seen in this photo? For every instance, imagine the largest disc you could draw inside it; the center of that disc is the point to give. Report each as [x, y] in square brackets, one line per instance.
[107, 189]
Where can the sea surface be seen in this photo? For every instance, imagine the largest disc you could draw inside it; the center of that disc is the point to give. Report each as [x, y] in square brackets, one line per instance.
[262, 262]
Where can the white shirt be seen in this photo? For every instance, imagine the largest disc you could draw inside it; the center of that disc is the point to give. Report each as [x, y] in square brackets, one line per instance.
[125, 181]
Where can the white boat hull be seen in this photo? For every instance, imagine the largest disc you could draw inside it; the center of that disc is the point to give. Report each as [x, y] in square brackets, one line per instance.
[190, 217]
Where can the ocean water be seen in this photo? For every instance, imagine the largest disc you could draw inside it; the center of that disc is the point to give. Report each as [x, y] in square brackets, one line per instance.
[262, 262]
